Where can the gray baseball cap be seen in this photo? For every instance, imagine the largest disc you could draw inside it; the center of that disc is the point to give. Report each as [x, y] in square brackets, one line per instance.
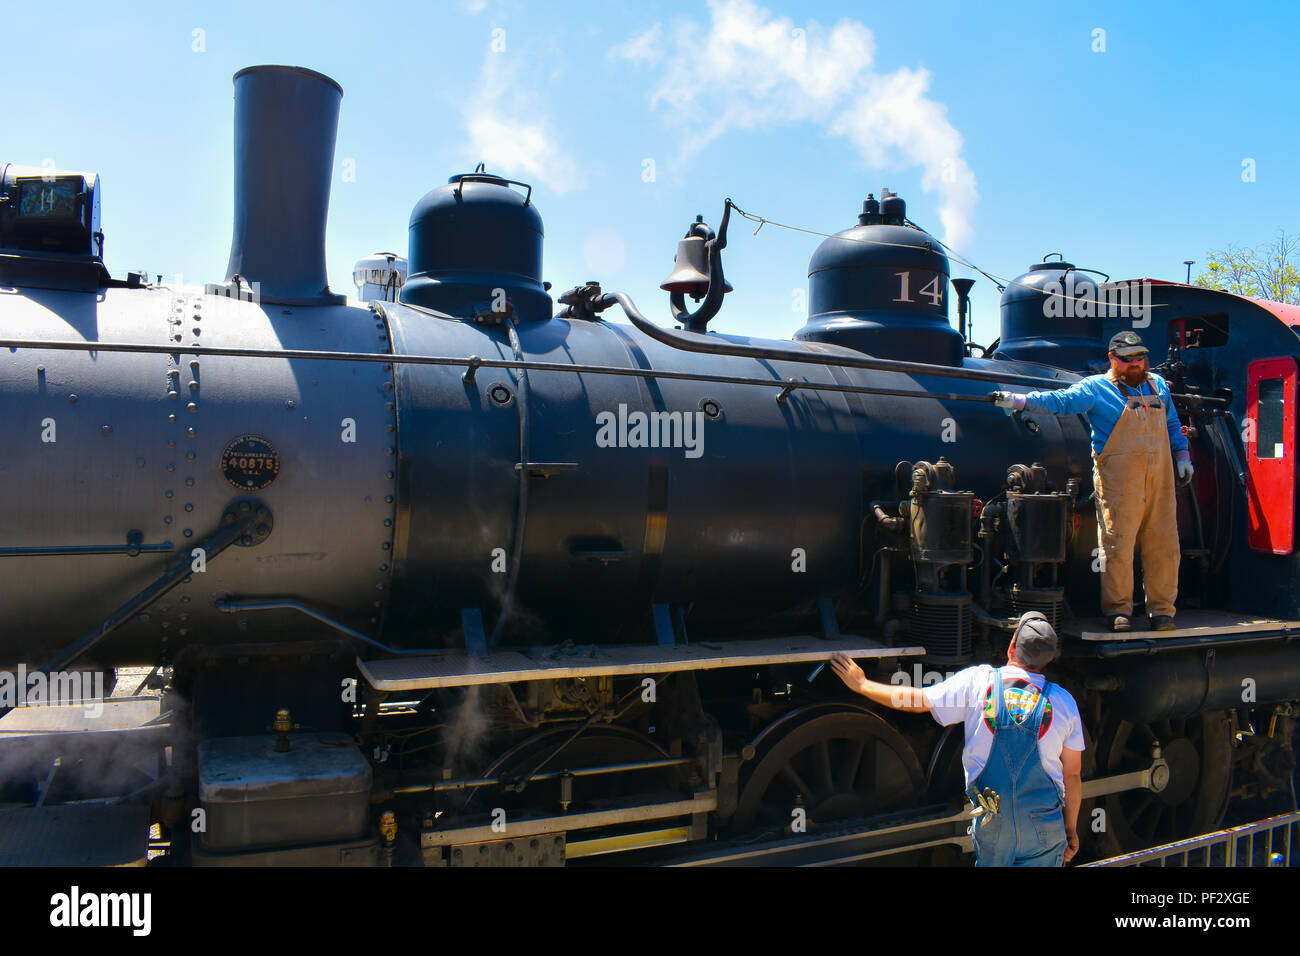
[1127, 345]
[1036, 642]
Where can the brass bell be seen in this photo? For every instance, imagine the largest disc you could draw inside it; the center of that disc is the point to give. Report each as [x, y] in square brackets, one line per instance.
[690, 275]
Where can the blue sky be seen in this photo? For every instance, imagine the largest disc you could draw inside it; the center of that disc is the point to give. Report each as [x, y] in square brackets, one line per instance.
[1002, 126]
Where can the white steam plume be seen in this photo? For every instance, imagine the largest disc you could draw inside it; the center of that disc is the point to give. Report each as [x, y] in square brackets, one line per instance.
[751, 70]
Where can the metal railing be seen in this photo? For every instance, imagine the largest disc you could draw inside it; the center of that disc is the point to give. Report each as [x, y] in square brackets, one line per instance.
[1265, 843]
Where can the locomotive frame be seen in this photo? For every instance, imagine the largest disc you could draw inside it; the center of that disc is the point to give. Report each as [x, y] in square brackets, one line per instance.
[321, 705]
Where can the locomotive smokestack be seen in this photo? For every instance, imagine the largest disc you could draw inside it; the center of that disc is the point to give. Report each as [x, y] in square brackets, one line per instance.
[286, 118]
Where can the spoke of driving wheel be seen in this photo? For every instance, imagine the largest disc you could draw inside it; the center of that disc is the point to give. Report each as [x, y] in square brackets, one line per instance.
[1142, 804]
[1170, 819]
[832, 763]
[865, 781]
[1134, 812]
[1148, 831]
[824, 765]
[894, 786]
[792, 777]
[849, 768]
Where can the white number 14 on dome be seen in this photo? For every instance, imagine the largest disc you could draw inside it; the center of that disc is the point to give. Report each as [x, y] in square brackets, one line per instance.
[932, 290]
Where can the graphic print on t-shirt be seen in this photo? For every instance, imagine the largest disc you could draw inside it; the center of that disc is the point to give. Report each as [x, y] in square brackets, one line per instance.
[1021, 697]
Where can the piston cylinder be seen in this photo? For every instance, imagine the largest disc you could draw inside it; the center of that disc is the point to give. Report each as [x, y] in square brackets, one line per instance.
[1036, 527]
[941, 527]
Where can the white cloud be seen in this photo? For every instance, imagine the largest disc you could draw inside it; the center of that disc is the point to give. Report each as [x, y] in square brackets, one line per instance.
[645, 47]
[474, 6]
[894, 118]
[752, 70]
[510, 133]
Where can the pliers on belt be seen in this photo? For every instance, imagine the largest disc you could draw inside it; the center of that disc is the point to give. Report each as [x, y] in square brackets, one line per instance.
[987, 803]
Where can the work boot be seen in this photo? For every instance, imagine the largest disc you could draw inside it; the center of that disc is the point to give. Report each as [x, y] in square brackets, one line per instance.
[1163, 622]
[1119, 623]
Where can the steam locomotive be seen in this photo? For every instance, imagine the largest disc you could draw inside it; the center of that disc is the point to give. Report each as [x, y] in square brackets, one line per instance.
[452, 578]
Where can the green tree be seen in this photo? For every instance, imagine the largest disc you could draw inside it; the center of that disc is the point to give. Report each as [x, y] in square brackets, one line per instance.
[1263, 272]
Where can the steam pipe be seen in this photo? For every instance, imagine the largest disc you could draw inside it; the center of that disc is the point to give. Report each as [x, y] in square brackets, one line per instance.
[474, 361]
[889, 522]
[882, 610]
[214, 545]
[1002, 623]
[521, 504]
[692, 342]
[237, 606]
[988, 516]
[893, 524]
[327, 355]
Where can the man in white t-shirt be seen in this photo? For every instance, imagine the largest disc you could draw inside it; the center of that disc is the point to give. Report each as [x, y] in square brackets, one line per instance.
[1025, 804]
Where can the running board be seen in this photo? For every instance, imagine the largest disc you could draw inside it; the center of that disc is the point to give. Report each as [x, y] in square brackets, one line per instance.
[1230, 630]
[82, 717]
[495, 829]
[845, 842]
[74, 836]
[457, 669]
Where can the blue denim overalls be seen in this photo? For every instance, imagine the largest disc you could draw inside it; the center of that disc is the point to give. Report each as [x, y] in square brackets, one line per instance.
[1029, 827]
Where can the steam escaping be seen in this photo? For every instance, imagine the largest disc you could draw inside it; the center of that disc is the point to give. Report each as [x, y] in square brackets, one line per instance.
[750, 70]
[467, 729]
[61, 745]
[510, 133]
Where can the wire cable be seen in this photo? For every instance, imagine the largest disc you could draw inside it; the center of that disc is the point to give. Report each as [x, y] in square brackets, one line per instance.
[1000, 282]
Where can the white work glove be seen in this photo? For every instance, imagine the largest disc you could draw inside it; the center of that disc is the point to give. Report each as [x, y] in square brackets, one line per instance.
[1185, 472]
[1009, 402]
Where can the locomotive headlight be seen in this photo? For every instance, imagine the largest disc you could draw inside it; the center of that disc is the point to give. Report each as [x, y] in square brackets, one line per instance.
[56, 199]
[51, 211]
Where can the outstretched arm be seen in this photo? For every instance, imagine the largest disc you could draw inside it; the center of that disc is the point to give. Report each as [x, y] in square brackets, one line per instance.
[911, 699]
[1079, 398]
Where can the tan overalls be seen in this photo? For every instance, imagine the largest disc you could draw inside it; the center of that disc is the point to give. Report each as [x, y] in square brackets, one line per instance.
[1134, 482]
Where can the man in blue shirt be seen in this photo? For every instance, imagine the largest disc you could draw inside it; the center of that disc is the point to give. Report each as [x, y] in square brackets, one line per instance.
[1135, 429]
